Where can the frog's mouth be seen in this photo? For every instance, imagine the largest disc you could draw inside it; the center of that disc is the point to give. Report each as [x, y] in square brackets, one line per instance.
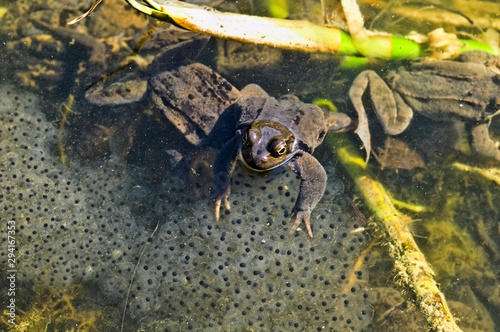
[258, 169]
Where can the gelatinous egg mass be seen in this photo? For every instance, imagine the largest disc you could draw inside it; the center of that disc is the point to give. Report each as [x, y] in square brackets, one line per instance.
[95, 226]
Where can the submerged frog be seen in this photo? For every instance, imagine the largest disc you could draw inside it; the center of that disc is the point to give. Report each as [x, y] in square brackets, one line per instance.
[262, 132]
[271, 133]
[467, 90]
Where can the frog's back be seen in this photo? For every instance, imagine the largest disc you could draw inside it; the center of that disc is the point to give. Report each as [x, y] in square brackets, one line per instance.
[305, 121]
[446, 89]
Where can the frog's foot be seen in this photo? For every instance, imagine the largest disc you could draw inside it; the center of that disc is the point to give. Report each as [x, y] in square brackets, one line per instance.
[481, 143]
[218, 203]
[393, 113]
[337, 122]
[299, 217]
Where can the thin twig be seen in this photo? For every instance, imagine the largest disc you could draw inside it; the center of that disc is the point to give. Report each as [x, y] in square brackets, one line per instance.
[87, 13]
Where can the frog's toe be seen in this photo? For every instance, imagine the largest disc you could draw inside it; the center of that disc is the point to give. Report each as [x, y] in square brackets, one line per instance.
[218, 203]
[227, 206]
[299, 217]
[217, 209]
[481, 143]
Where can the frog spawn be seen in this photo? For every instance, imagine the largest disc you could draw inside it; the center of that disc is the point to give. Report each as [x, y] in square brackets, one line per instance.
[88, 226]
[246, 271]
[61, 215]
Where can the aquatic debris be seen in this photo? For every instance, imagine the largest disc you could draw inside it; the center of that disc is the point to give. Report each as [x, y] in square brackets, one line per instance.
[41, 74]
[117, 93]
[409, 206]
[53, 310]
[483, 14]
[87, 13]
[396, 154]
[452, 249]
[65, 109]
[487, 240]
[492, 173]
[414, 272]
[443, 45]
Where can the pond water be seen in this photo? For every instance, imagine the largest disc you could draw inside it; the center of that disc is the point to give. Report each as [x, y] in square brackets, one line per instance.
[106, 219]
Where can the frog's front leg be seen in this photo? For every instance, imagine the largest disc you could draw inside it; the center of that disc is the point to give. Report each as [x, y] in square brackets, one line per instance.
[391, 110]
[224, 165]
[312, 187]
[480, 141]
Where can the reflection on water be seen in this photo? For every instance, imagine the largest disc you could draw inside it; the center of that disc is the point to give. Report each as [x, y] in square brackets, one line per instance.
[122, 232]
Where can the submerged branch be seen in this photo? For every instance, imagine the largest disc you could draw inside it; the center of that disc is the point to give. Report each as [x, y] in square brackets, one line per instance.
[415, 273]
[492, 174]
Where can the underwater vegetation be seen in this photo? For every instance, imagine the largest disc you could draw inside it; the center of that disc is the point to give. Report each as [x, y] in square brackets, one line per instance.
[52, 310]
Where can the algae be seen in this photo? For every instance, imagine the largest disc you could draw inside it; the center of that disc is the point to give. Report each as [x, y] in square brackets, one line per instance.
[54, 310]
[450, 248]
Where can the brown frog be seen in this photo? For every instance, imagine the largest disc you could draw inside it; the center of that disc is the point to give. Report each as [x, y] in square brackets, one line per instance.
[467, 90]
[165, 49]
[262, 132]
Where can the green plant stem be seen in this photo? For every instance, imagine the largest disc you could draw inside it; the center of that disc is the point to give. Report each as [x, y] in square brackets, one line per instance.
[296, 35]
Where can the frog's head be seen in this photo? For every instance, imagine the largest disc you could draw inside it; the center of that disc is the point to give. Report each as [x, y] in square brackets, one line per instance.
[266, 145]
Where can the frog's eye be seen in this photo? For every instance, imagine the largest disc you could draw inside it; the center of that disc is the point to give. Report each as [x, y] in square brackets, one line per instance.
[282, 150]
[278, 147]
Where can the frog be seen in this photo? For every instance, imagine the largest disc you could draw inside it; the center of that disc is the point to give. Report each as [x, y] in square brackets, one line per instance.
[251, 128]
[271, 133]
[466, 89]
[193, 97]
[167, 47]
